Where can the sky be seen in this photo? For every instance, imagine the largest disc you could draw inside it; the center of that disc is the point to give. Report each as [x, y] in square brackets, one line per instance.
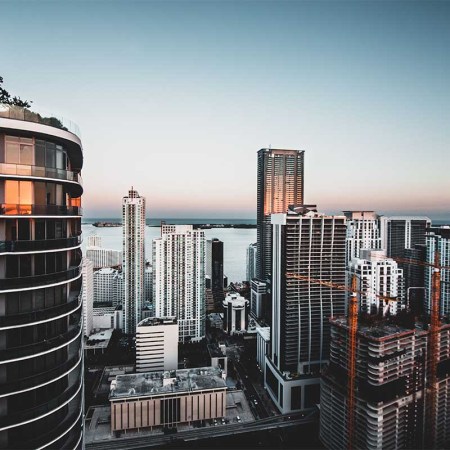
[176, 97]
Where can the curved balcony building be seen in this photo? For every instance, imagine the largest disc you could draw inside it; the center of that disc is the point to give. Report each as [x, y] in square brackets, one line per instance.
[41, 375]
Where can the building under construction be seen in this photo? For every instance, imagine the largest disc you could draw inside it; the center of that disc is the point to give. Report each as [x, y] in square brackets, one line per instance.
[391, 404]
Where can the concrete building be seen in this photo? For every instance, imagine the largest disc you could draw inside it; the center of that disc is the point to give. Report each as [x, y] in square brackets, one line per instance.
[157, 344]
[236, 312]
[262, 345]
[98, 343]
[106, 317]
[179, 279]
[41, 327]
[148, 284]
[251, 262]
[378, 275]
[94, 240]
[87, 294]
[389, 387]
[104, 286]
[363, 232]
[147, 400]
[133, 266]
[305, 243]
[438, 239]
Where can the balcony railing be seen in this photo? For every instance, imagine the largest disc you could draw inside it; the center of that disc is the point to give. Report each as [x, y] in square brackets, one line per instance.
[39, 347]
[50, 405]
[39, 210]
[39, 171]
[37, 380]
[39, 280]
[41, 116]
[42, 314]
[39, 245]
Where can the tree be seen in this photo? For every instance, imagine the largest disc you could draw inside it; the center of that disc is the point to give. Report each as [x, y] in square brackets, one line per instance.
[5, 98]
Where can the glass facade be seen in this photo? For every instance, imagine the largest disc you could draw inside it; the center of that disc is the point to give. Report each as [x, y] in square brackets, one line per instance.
[40, 282]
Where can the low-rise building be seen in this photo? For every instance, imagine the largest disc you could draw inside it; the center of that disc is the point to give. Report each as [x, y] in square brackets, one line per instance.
[218, 356]
[152, 399]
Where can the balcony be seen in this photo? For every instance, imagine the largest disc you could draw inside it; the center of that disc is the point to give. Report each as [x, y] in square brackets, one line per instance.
[39, 245]
[42, 117]
[41, 315]
[19, 283]
[10, 209]
[38, 411]
[42, 378]
[32, 350]
[38, 171]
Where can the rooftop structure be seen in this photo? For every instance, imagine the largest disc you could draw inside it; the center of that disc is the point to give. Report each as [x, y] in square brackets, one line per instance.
[166, 382]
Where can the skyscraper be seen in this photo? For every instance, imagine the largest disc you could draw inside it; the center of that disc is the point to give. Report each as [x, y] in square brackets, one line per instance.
[251, 262]
[310, 244]
[133, 229]
[87, 294]
[438, 240]
[179, 279]
[214, 268]
[279, 184]
[41, 333]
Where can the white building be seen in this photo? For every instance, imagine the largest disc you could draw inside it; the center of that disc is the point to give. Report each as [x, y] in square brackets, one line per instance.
[251, 261]
[236, 311]
[438, 239]
[157, 344]
[104, 257]
[104, 286]
[179, 279]
[363, 232]
[87, 293]
[262, 345]
[94, 240]
[106, 317]
[304, 242]
[133, 231]
[378, 275]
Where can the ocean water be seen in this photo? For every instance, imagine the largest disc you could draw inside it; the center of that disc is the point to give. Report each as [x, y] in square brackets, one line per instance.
[235, 241]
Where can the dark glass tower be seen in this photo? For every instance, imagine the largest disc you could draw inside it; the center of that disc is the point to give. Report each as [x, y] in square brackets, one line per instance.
[40, 278]
[217, 281]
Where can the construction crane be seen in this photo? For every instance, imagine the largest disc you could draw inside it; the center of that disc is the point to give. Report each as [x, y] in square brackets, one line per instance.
[433, 349]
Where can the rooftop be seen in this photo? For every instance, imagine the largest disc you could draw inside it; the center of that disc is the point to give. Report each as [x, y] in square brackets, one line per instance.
[154, 321]
[165, 382]
[215, 351]
[99, 340]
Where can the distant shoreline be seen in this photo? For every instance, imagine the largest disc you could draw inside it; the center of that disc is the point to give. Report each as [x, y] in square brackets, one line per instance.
[196, 226]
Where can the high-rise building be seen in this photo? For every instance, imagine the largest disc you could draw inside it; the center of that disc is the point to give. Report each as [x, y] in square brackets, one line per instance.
[179, 279]
[214, 268]
[133, 266]
[438, 240]
[401, 232]
[377, 275]
[363, 232]
[94, 240]
[251, 261]
[414, 274]
[41, 331]
[105, 289]
[157, 344]
[279, 184]
[390, 373]
[87, 293]
[309, 244]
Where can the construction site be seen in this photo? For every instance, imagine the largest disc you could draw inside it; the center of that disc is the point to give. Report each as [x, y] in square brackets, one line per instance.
[388, 380]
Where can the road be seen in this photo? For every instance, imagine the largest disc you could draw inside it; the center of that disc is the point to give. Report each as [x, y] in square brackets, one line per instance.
[142, 442]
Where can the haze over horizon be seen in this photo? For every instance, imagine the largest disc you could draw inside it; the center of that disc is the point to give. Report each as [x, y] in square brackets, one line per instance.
[175, 98]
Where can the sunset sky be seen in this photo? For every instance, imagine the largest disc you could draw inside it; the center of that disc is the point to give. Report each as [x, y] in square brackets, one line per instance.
[176, 97]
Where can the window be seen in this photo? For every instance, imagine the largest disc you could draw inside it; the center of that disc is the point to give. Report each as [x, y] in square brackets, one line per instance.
[19, 150]
[18, 192]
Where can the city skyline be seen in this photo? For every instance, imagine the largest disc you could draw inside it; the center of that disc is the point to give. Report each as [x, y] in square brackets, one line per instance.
[361, 85]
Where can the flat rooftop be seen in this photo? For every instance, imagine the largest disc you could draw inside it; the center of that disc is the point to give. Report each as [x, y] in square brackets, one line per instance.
[153, 321]
[99, 340]
[165, 382]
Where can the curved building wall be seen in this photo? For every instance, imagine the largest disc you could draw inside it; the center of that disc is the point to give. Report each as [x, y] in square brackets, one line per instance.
[40, 281]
